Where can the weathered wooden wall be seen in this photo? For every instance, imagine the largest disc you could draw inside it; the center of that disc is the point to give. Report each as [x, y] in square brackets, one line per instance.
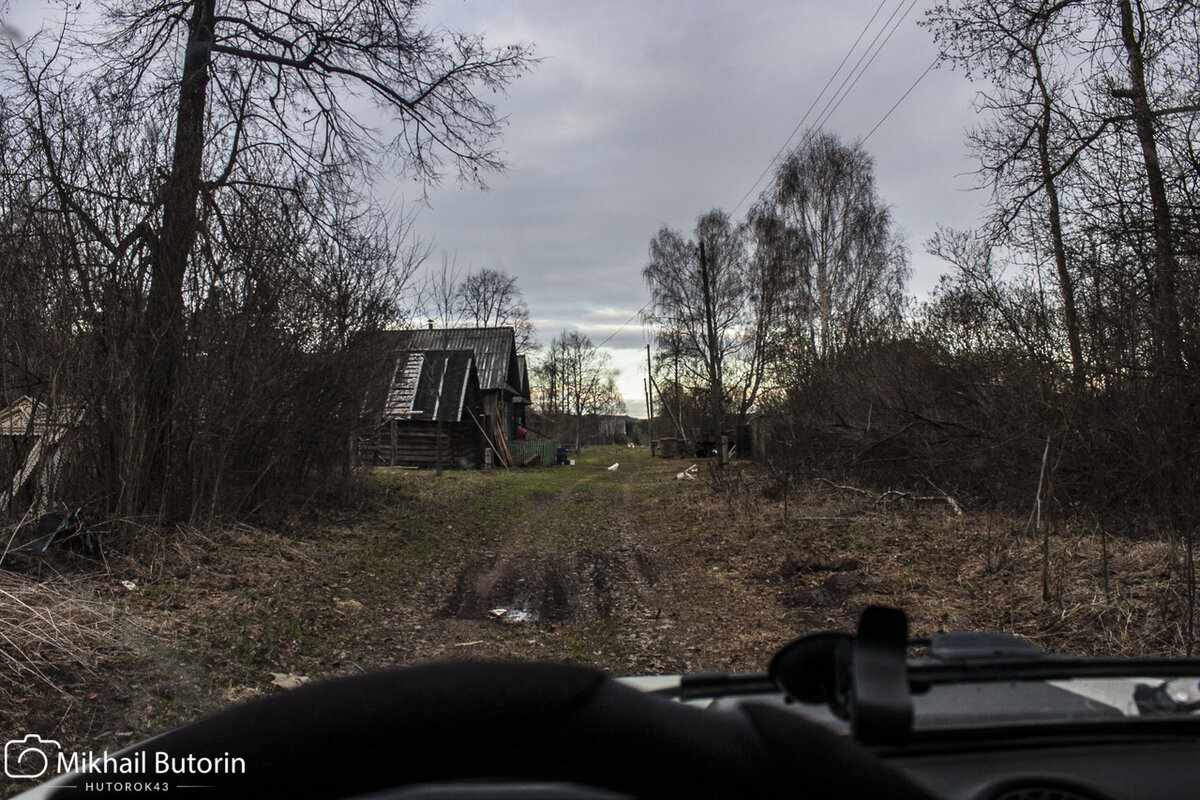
[415, 445]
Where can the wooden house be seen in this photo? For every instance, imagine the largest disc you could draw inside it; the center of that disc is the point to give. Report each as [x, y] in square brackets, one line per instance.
[469, 381]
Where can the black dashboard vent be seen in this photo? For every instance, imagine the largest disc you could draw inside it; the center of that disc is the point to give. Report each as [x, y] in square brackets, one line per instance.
[1046, 793]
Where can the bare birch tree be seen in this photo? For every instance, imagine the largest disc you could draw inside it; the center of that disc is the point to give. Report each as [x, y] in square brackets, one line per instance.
[844, 266]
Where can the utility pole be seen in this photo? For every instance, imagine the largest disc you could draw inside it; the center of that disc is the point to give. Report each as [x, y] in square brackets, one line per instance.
[714, 364]
[667, 406]
[646, 398]
[650, 401]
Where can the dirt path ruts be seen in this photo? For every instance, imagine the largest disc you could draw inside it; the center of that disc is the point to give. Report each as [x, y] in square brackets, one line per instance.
[605, 570]
[608, 566]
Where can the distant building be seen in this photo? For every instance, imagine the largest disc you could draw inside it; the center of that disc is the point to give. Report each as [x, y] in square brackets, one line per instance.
[469, 382]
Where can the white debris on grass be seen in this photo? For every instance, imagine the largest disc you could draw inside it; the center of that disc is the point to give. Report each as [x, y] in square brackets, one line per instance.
[513, 616]
[288, 680]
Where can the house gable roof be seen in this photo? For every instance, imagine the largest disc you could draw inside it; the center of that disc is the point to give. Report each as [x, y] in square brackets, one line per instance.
[29, 417]
[523, 368]
[495, 351]
[431, 385]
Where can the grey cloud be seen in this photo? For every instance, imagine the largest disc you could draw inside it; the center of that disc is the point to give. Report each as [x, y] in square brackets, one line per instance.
[646, 114]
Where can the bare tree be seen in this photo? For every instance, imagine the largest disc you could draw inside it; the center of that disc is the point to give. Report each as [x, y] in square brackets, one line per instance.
[259, 83]
[492, 298]
[990, 311]
[1021, 49]
[1166, 300]
[845, 265]
[703, 310]
[438, 299]
[574, 380]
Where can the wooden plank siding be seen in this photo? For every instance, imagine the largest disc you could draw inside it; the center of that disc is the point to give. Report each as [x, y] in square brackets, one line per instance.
[471, 379]
[416, 446]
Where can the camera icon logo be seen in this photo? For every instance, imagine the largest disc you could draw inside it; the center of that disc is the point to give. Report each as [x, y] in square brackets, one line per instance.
[28, 757]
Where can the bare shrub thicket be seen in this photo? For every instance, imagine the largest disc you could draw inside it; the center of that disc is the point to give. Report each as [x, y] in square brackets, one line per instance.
[1055, 370]
[283, 289]
[191, 253]
[1066, 324]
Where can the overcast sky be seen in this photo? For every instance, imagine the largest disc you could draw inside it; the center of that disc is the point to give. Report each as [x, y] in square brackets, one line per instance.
[644, 114]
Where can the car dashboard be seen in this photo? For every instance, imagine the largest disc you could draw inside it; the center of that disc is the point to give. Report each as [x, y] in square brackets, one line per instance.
[1094, 759]
[983, 716]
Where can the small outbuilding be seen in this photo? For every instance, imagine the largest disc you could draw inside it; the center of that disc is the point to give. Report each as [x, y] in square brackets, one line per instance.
[453, 395]
[428, 415]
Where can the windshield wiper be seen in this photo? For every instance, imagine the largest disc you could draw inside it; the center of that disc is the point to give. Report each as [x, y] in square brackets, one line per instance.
[1048, 668]
[720, 684]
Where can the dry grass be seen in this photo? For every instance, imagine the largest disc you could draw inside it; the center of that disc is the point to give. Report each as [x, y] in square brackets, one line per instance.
[49, 627]
[1115, 587]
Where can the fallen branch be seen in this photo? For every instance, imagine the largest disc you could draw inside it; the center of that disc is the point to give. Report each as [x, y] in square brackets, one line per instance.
[894, 494]
[843, 487]
[953, 503]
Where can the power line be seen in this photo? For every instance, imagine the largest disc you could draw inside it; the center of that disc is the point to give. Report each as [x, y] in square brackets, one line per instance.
[626, 325]
[825, 116]
[883, 119]
[839, 96]
[853, 77]
[813, 105]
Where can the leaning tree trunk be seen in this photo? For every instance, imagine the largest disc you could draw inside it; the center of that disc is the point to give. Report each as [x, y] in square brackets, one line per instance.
[1066, 282]
[163, 487]
[1168, 338]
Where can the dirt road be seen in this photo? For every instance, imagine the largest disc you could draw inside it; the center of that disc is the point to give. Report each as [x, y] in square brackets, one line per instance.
[630, 569]
[587, 564]
[578, 563]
